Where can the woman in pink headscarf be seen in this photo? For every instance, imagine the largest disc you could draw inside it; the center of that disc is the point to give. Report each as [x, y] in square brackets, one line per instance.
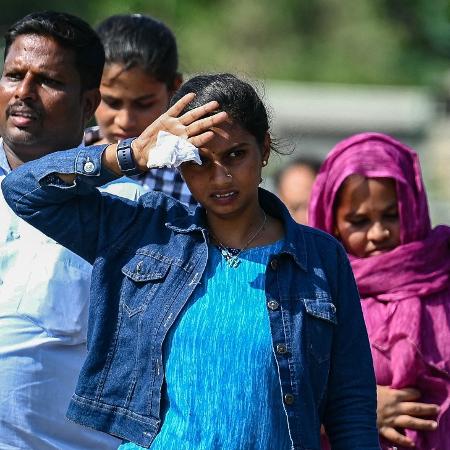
[370, 195]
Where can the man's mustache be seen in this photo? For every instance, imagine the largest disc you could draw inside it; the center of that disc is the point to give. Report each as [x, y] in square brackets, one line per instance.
[21, 109]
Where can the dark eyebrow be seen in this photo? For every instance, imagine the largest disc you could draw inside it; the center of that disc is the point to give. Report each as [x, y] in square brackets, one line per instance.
[353, 214]
[146, 97]
[236, 146]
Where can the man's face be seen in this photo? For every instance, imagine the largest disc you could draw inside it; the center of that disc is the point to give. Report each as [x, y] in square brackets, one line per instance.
[42, 108]
[295, 190]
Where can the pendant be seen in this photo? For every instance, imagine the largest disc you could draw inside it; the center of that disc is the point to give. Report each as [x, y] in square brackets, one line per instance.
[233, 262]
[231, 259]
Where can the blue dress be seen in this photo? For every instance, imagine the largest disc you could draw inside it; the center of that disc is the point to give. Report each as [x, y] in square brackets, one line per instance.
[222, 380]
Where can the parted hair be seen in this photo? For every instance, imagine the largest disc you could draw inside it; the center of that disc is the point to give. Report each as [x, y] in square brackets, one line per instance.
[236, 97]
[137, 40]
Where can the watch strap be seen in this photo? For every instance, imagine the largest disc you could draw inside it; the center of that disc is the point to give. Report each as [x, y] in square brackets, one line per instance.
[125, 157]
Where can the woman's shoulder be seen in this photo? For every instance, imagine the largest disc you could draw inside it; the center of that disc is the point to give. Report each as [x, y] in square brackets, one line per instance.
[320, 248]
[318, 238]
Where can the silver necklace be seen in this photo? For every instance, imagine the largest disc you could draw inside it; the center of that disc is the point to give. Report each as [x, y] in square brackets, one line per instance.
[231, 255]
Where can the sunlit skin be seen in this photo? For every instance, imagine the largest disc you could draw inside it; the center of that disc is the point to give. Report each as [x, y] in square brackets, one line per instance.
[131, 99]
[231, 202]
[41, 103]
[367, 220]
[295, 190]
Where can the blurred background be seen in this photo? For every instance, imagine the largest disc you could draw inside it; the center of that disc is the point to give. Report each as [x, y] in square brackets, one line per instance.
[326, 68]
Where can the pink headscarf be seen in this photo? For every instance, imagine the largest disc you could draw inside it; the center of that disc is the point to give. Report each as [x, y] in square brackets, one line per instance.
[405, 293]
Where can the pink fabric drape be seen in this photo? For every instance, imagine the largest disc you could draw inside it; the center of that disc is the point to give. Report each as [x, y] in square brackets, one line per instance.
[405, 293]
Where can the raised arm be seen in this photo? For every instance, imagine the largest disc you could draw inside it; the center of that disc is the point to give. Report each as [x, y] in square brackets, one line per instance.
[57, 193]
[192, 126]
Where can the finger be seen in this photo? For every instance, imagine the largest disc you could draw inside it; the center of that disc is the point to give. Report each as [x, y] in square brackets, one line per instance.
[394, 437]
[201, 139]
[416, 409]
[199, 112]
[202, 125]
[413, 423]
[407, 394]
[175, 110]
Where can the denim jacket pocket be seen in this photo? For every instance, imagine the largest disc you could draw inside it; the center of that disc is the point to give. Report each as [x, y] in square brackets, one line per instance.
[321, 319]
[143, 275]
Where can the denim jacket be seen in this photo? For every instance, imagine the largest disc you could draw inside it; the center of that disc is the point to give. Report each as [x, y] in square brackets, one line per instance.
[148, 256]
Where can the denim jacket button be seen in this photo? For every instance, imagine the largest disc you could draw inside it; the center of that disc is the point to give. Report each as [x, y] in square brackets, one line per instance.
[89, 167]
[273, 305]
[288, 399]
[281, 349]
[274, 264]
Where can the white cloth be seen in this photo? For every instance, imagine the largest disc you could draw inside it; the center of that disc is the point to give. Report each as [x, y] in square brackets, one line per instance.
[171, 151]
[44, 296]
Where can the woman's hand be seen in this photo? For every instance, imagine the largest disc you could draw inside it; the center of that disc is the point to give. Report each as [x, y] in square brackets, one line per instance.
[397, 408]
[193, 126]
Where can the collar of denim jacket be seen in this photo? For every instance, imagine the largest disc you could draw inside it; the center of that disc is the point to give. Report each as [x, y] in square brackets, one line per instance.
[294, 238]
[193, 222]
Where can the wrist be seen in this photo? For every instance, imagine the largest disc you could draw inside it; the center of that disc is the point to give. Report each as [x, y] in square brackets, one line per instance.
[125, 158]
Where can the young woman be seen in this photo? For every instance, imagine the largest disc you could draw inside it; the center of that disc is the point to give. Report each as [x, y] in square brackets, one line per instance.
[370, 195]
[233, 327]
[138, 81]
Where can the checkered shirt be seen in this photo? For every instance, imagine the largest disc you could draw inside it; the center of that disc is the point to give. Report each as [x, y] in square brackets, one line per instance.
[164, 180]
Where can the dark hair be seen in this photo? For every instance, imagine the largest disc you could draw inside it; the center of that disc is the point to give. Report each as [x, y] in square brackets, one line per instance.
[236, 97]
[309, 161]
[138, 40]
[70, 32]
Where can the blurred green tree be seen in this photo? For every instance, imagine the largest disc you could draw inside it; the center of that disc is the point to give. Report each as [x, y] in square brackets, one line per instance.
[346, 41]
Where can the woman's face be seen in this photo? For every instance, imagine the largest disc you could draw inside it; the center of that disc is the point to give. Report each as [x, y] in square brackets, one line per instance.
[226, 183]
[367, 220]
[131, 100]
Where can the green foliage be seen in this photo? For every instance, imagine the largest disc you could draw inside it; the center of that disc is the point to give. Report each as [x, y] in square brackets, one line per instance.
[363, 41]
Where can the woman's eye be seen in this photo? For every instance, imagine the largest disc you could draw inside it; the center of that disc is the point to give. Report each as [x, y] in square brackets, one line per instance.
[145, 105]
[112, 103]
[358, 222]
[236, 154]
[391, 217]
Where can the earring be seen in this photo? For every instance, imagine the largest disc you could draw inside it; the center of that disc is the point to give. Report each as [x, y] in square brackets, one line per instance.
[264, 163]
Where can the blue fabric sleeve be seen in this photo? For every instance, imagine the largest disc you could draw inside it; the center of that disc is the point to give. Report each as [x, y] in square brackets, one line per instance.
[351, 396]
[71, 214]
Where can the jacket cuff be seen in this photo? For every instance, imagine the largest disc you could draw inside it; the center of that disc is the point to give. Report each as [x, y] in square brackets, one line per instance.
[85, 162]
